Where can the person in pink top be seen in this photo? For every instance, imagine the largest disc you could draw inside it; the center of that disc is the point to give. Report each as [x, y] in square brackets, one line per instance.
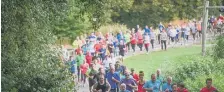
[84, 68]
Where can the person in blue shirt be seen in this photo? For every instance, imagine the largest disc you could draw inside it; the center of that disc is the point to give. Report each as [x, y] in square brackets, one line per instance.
[103, 53]
[167, 87]
[152, 85]
[147, 30]
[113, 78]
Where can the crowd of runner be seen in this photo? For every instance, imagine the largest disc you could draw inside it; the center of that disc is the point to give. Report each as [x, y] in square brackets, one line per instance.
[95, 58]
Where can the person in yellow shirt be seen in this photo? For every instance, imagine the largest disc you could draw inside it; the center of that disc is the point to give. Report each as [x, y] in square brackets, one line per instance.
[77, 43]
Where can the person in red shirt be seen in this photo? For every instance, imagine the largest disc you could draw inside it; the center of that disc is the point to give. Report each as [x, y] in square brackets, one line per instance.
[133, 40]
[140, 40]
[135, 76]
[88, 58]
[84, 68]
[97, 47]
[182, 88]
[141, 82]
[209, 87]
[78, 50]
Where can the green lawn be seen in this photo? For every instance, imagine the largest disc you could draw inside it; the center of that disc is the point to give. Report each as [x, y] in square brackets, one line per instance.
[164, 60]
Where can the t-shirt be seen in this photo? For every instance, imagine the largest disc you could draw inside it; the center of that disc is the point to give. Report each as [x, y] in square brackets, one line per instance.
[127, 82]
[127, 37]
[80, 59]
[211, 89]
[154, 85]
[167, 86]
[88, 59]
[112, 83]
[97, 47]
[78, 51]
[84, 68]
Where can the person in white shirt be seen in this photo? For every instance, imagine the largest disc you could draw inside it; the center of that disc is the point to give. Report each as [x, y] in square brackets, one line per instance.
[173, 34]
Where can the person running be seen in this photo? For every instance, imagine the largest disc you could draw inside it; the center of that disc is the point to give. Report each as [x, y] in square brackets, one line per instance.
[140, 39]
[130, 82]
[102, 85]
[163, 39]
[123, 88]
[113, 79]
[102, 53]
[88, 58]
[127, 37]
[84, 68]
[209, 87]
[152, 37]
[173, 33]
[174, 87]
[167, 87]
[92, 76]
[80, 60]
[141, 82]
[146, 42]
[152, 85]
[135, 75]
[147, 30]
[187, 33]
[133, 41]
[161, 28]
[194, 31]
[182, 88]
[121, 47]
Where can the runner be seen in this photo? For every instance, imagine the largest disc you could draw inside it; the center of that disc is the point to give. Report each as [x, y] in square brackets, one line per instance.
[152, 37]
[127, 37]
[167, 87]
[79, 59]
[152, 85]
[134, 75]
[174, 87]
[161, 28]
[140, 39]
[121, 49]
[209, 87]
[123, 88]
[101, 85]
[84, 68]
[173, 34]
[147, 42]
[102, 53]
[88, 58]
[163, 39]
[133, 41]
[131, 85]
[141, 82]
[182, 88]
[113, 79]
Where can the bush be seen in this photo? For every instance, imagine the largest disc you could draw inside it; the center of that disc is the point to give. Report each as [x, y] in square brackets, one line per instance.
[199, 82]
[219, 48]
[113, 28]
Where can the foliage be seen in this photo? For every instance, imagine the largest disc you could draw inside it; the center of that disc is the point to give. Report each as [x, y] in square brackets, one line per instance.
[218, 52]
[151, 12]
[115, 28]
[29, 61]
[199, 82]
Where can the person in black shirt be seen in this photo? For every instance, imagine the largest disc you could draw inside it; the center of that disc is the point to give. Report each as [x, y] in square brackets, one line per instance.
[121, 49]
[102, 85]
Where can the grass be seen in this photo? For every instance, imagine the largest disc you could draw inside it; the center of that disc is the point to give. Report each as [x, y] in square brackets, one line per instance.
[164, 60]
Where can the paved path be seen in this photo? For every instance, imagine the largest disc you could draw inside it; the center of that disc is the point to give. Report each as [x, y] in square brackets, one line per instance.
[157, 46]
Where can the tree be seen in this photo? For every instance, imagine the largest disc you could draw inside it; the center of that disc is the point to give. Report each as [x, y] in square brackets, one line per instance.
[30, 61]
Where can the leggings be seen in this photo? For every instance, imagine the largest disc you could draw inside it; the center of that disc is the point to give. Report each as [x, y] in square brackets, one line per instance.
[133, 47]
[78, 69]
[152, 42]
[193, 35]
[83, 78]
[187, 37]
[140, 45]
[147, 47]
[128, 45]
[163, 42]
